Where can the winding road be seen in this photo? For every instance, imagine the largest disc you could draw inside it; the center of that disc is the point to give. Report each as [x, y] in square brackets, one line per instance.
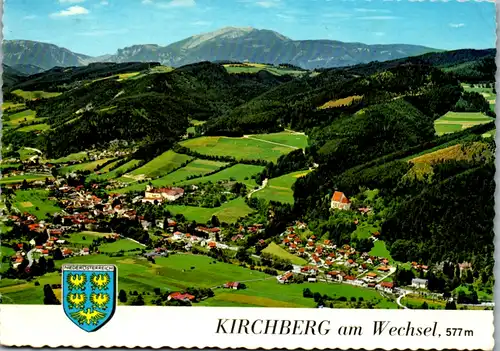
[264, 184]
[398, 301]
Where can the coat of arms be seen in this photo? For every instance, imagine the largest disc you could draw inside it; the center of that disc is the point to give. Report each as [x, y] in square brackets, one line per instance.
[89, 294]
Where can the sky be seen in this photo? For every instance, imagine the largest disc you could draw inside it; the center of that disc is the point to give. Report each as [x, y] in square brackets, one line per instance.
[98, 27]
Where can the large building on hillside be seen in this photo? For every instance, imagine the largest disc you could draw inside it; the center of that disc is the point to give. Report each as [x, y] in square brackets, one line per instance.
[170, 194]
[340, 201]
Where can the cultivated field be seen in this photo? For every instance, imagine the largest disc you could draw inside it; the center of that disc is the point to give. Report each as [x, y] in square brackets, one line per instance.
[117, 172]
[87, 166]
[340, 102]
[9, 104]
[455, 152]
[20, 178]
[195, 168]
[38, 94]
[456, 121]
[35, 202]
[239, 148]
[78, 156]
[240, 173]
[293, 139]
[257, 67]
[276, 250]
[280, 189]
[228, 212]
[161, 165]
[83, 239]
[267, 293]
[488, 94]
[41, 127]
[20, 117]
[180, 271]
[120, 245]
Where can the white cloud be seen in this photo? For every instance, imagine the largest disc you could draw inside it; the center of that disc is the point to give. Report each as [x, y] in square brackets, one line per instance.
[267, 4]
[371, 10]
[71, 1]
[457, 25]
[377, 18]
[337, 15]
[201, 23]
[104, 3]
[104, 32]
[147, 2]
[379, 34]
[176, 3]
[29, 17]
[288, 17]
[71, 11]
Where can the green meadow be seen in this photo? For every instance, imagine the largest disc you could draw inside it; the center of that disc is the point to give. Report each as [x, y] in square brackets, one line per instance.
[35, 202]
[280, 189]
[161, 165]
[117, 172]
[240, 173]
[293, 139]
[38, 94]
[78, 156]
[194, 168]
[20, 178]
[228, 212]
[86, 166]
[456, 121]
[276, 250]
[239, 148]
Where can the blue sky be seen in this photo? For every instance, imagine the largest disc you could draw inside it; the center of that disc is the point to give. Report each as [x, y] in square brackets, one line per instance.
[97, 27]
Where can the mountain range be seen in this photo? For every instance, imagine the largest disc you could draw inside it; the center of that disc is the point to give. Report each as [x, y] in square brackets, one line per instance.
[226, 44]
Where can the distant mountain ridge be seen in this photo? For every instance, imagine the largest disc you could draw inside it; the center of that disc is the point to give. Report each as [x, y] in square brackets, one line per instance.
[43, 55]
[229, 43]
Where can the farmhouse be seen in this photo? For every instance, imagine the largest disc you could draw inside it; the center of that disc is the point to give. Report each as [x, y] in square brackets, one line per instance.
[232, 285]
[170, 194]
[285, 278]
[180, 297]
[340, 201]
[386, 286]
[419, 283]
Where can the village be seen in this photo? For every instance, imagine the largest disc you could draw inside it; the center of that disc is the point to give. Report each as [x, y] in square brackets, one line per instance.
[91, 210]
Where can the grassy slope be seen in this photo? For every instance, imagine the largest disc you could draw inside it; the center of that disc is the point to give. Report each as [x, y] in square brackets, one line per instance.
[280, 188]
[228, 212]
[296, 140]
[237, 173]
[239, 148]
[29, 200]
[195, 168]
[278, 251]
[161, 165]
[456, 121]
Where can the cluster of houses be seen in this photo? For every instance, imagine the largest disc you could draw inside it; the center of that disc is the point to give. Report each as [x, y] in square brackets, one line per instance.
[54, 241]
[311, 275]
[325, 254]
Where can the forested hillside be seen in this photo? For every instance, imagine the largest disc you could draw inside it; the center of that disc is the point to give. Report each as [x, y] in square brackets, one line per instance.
[357, 130]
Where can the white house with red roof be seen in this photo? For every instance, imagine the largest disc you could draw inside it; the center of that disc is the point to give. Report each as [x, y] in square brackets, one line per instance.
[340, 201]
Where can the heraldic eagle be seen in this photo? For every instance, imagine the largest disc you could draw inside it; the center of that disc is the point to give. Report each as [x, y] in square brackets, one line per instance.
[89, 316]
[99, 281]
[99, 300]
[76, 281]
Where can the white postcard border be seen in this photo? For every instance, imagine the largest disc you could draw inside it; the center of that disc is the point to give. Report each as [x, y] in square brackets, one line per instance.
[196, 327]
